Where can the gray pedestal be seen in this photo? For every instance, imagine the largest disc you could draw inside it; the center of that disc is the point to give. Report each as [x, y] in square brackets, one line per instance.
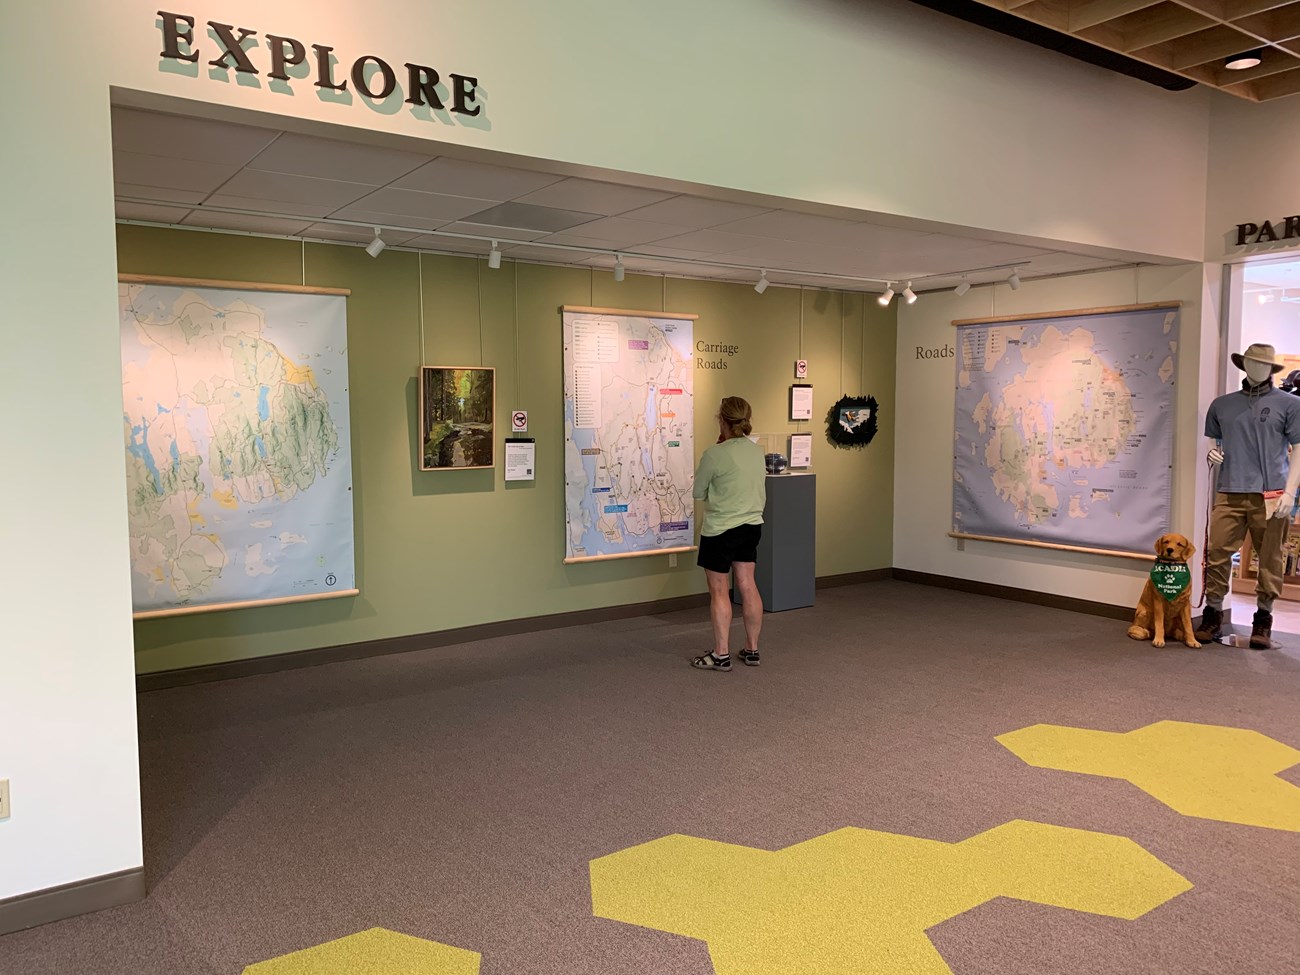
[786, 572]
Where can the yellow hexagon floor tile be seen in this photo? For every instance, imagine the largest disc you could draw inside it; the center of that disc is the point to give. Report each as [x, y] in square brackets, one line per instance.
[373, 952]
[856, 901]
[1201, 770]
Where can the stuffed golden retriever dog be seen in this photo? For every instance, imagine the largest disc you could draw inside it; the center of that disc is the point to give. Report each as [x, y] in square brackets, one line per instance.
[1165, 608]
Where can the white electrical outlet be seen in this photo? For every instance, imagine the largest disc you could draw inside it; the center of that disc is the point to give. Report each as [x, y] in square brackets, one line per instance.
[672, 561]
[4, 798]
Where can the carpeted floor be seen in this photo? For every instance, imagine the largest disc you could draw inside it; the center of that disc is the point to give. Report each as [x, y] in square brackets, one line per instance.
[459, 794]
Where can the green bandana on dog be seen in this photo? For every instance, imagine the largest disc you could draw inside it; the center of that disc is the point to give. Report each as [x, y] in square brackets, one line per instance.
[1171, 579]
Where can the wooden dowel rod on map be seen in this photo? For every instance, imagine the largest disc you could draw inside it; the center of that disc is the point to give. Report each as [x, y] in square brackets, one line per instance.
[154, 614]
[630, 555]
[1068, 314]
[296, 289]
[585, 310]
[1055, 545]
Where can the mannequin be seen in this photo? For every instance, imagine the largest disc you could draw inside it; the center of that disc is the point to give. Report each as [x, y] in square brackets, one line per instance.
[1258, 473]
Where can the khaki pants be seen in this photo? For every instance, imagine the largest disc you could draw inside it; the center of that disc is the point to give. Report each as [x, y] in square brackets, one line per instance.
[1232, 517]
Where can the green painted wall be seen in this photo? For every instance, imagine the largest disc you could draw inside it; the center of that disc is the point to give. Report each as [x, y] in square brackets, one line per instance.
[454, 548]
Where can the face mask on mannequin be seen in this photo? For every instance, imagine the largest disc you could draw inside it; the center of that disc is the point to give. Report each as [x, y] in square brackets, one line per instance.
[1257, 372]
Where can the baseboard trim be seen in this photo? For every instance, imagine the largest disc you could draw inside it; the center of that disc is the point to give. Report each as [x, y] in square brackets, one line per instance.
[854, 578]
[234, 669]
[162, 679]
[1051, 600]
[69, 900]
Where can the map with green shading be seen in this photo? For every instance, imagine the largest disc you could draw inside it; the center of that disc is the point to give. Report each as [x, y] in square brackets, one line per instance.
[238, 459]
[1064, 429]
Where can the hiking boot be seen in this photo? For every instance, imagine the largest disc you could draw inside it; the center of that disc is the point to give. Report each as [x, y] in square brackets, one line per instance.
[1211, 627]
[1261, 630]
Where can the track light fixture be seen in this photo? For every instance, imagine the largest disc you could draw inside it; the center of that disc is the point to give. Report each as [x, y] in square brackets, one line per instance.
[908, 294]
[1014, 280]
[762, 282]
[887, 295]
[376, 246]
[494, 256]
[962, 288]
[1244, 60]
[619, 267]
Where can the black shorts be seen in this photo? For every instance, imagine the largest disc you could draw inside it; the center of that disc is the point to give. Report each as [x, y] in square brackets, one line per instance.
[739, 544]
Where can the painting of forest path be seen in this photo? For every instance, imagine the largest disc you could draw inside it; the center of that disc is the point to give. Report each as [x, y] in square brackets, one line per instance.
[457, 410]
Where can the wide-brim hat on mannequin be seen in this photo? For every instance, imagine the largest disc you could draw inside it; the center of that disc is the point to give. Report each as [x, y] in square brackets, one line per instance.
[1259, 352]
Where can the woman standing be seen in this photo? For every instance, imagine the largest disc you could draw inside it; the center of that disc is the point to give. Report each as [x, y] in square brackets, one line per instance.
[731, 480]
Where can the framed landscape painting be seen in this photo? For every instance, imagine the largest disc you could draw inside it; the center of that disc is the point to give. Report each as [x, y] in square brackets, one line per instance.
[457, 418]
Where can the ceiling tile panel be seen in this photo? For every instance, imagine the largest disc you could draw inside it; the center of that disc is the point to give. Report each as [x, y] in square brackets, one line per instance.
[457, 177]
[589, 196]
[449, 244]
[278, 206]
[303, 155]
[693, 212]
[621, 232]
[355, 235]
[150, 212]
[178, 137]
[281, 188]
[401, 203]
[256, 225]
[378, 218]
[660, 250]
[483, 230]
[157, 194]
[170, 173]
[528, 216]
[788, 225]
[712, 242]
[531, 252]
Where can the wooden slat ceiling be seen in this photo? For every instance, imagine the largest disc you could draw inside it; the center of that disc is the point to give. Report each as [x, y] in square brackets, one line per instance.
[1188, 37]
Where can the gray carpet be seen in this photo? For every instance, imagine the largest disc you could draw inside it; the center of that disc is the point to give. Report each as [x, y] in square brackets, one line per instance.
[458, 794]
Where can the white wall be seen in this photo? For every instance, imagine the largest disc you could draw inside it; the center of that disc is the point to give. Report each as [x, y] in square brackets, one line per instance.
[923, 432]
[910, 114]
[67, 678]
[883, 107]
[1276, 323]
[1254, 171]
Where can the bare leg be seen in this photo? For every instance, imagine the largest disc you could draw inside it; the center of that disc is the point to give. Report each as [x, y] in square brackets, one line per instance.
[720, 610]
[752, 602]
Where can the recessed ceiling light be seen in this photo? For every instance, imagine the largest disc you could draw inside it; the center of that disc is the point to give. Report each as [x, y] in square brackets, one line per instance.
[1247, 59]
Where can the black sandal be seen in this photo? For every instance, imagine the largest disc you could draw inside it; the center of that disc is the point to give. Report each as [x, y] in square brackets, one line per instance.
[711, 661]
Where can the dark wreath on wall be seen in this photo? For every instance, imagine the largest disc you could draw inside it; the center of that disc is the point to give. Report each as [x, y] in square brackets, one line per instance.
[851, 422]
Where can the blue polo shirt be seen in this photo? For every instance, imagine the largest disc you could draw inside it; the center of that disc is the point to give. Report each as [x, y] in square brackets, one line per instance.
[1256, 432]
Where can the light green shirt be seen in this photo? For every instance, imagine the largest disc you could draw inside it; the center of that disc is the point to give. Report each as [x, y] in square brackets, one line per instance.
[732, 479]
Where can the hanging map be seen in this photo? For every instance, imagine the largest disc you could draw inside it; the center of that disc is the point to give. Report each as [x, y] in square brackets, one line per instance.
[1064, 428]
[629, 445]
[239, 472]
